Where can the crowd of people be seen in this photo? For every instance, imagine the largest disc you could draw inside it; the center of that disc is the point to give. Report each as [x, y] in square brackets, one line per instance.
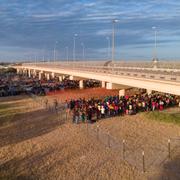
[91, 83]
[12, 84]
[8, 85]
[95, 109]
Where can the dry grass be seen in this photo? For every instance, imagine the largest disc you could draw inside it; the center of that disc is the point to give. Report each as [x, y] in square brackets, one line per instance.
[37, 144]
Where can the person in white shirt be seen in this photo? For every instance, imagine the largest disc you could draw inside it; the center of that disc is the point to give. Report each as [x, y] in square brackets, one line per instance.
[102, 111]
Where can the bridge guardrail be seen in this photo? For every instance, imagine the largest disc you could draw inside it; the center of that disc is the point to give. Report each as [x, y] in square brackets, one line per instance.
[149, 73]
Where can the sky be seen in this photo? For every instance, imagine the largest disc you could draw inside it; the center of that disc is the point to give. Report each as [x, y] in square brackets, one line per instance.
[33, 29]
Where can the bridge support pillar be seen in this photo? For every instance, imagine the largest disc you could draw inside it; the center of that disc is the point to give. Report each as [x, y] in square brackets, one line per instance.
[63, 77]
[18, 71]
[81, 85]
[60, 78]
[23, 72]
[29, 73]
[109, 85]
[71, 78]
[149, 91]
[103, 84]
[48, 76]
[40, 75]
[53, 75]
[34, 73]
[122, 92]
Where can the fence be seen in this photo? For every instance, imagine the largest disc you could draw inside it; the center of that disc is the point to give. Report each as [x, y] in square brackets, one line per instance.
[42, 103]
[142, 159]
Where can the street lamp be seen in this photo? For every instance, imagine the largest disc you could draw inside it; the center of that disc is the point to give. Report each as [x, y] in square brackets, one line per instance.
[67, 53]
[114, 21]
[35, 58]
[83, 53]
[74, 47]
[108, 47]
[155, 59]
[43, 54]
[55, 50]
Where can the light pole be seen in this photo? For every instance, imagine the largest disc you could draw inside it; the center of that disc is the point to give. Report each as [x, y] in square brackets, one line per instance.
[113, 38]
[155, 44]
[43, 54]
[83, 50]
[108, 47]
[74, 47]
[35, 57]
[49, 56]
[67, 53]
[43, 57]
[55, 50]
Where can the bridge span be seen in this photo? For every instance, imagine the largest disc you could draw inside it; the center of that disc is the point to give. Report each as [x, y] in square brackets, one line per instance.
[152, 77]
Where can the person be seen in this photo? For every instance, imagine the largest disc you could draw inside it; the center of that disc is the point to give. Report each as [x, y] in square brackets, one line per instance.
[67, 108]
[46, 103]
[56, 105]
[130, 109]
[153, 104]
[116, 109]
[76, 116]
[73, 115]
[161, 104]
[102, 111]
[83, 116]
[99, 110]
[90, 113]
[143, 106]
[113, 105]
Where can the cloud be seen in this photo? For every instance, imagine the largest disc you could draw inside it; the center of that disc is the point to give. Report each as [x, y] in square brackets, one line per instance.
[33, 25]
[48, 16]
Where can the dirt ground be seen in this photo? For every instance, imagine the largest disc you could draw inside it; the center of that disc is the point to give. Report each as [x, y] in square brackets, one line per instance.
[36, 143]
[64, 95]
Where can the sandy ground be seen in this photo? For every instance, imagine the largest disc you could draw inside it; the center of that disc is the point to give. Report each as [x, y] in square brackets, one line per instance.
[64, 95]
[38, 144]
[141, 134]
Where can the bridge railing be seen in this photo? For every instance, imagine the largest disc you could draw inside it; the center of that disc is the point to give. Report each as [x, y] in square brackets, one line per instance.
[131, 64]
[168, 76]
[98, 67]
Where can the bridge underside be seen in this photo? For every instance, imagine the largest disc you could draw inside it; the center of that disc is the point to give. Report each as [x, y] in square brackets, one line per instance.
[110, 81]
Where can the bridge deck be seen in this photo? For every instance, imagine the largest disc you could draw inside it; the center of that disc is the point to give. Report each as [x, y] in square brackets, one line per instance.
[157, 79]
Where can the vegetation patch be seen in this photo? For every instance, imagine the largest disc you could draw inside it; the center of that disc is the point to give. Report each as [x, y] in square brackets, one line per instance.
[4, 107]
[7, 113]
[168, 117]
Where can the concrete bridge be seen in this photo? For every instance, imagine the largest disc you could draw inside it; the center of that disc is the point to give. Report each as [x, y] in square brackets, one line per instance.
[159, 76]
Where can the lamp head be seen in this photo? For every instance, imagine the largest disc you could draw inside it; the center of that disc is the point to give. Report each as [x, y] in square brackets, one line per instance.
[115, 20]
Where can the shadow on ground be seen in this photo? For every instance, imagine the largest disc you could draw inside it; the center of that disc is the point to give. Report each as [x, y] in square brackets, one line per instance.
[29, 125]
[24, 168]
[171, 169]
